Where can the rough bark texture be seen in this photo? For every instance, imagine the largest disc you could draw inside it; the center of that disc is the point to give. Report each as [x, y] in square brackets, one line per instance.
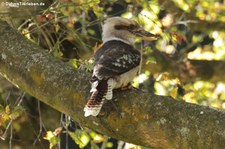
[148, 120]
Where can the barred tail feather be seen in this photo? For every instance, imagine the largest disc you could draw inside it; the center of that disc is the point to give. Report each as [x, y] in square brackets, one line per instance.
[94, 104]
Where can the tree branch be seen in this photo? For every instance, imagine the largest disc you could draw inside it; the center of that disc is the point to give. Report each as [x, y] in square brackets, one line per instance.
[200, 25]
[148, 120]
[189, 70]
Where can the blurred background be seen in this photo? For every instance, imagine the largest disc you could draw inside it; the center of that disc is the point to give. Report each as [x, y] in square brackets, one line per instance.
[187, 62]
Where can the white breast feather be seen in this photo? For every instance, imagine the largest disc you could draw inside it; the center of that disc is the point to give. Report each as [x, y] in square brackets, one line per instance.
[126, 78]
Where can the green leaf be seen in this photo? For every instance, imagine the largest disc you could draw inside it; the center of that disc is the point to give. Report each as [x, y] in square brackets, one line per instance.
[74, 63]
[53, 140]
[80, 137]
[93, 145]
[151, 60]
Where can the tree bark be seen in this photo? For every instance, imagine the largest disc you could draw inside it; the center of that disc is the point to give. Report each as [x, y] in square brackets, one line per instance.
[147, 119]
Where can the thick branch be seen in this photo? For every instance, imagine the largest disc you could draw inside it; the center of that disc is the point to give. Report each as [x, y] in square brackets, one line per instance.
[188, 71]
[148, 119]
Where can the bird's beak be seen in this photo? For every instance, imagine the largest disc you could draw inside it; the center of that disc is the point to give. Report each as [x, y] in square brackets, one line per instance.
[143, 34]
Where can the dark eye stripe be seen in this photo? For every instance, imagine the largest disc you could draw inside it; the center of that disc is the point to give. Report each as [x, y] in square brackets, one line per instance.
[124, 27]
[120, 27]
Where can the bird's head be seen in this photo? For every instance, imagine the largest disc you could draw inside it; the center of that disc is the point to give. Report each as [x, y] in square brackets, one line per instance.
[118, 28]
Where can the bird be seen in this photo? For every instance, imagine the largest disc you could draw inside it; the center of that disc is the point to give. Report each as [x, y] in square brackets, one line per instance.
[116, 62]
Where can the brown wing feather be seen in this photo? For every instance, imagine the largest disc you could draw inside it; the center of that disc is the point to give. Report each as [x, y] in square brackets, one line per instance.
[115, 58]
[97, 98]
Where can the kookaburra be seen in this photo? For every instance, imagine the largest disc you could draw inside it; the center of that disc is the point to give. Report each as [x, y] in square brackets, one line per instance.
[116, 62]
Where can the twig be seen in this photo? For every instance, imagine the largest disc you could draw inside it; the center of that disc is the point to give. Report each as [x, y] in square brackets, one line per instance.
[5, 133]
[141, 51]
[41, 125]
[104, 143]
[11, 137]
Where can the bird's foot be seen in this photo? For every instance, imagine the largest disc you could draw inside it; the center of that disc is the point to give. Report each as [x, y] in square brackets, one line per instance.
[118, 111]
[109, 106]
[127, 87]
[130, 87]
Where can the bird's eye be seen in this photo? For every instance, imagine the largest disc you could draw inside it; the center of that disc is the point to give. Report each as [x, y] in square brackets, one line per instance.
[132, 26]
